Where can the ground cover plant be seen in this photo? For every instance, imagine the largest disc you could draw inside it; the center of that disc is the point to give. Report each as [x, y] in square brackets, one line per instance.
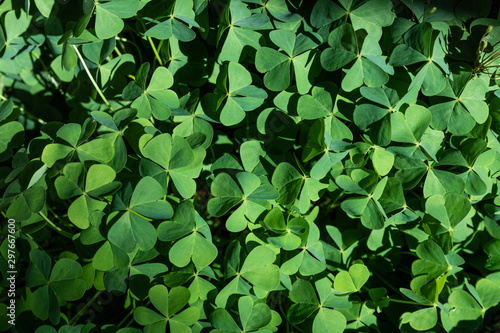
[250, 166]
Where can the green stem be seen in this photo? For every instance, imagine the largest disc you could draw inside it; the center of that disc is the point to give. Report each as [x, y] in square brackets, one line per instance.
[49, 71]
[213, 153]
[82, 311]
[92, 79]
[121, 40]
[247, 129]
[284, 314]
[55, 227]
[125, 318]
[39, 120]
[155, 51]
[168, 180]
[43, 63]
[52, 212]
[407, 252]
[387, 283]
[402, 301]
[132, 311]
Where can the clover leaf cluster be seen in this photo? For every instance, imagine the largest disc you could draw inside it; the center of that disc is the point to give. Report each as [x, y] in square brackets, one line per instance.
[251, 165]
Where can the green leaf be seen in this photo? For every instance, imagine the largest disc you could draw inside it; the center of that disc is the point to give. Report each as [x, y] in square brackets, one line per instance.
[107, 24]
[259, 270]
[288, 181]
[464, 307]
[131, 231]
[421, 320]
[193, 247]
[382, 161]
[449, 210]
[353, 280]
[329, 320]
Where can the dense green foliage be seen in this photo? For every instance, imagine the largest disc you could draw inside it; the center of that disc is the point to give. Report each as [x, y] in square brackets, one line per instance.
[251, 165]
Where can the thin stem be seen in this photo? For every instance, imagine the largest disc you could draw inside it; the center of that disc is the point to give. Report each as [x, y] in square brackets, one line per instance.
[488, 58]
[284, 314]
[155, 51]
[248, 126]
[131, 311]
[387, 283]
[168, 180]
[213, 153]
[82, 311]
[55, 227]
[39, 120]
[403, 302]
[52, 212]
[49, 71]
[41, 61]
[92, 79]
[126, 317]
[121, 40]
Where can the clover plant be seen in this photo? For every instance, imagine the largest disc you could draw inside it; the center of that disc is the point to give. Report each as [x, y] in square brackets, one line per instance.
[250, 166]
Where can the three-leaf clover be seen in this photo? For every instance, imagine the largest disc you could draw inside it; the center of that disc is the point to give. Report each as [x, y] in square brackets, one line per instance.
[173, 158]
[193, 238]
[154, 98]
[422, 45]
[238, 95]
[70, 139]
[253, 316]
[306, 303]
[369, 65]
[298, 52]
[130, 229]
[169, 303]
[99, 182]
[461, 104]
[57, 284]
[239, 30]
[251, 198]
[178, 21]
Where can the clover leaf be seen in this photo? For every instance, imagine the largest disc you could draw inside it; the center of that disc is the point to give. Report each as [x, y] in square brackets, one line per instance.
[298, 52]
[310, 258]
[239, 96]
[239, 22]
[421, 44]
[169, 303]
[251, 198]
[130, 229]
[461, 105]
[70, 139]
[353, 280]
[180, 19]
[177, 161]
[369, 66]
[366, 207]
[99, 182]
[155, 98]
[192, 244]
[254, 317]
[62, 282]
[109, 15]
[306, 303]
